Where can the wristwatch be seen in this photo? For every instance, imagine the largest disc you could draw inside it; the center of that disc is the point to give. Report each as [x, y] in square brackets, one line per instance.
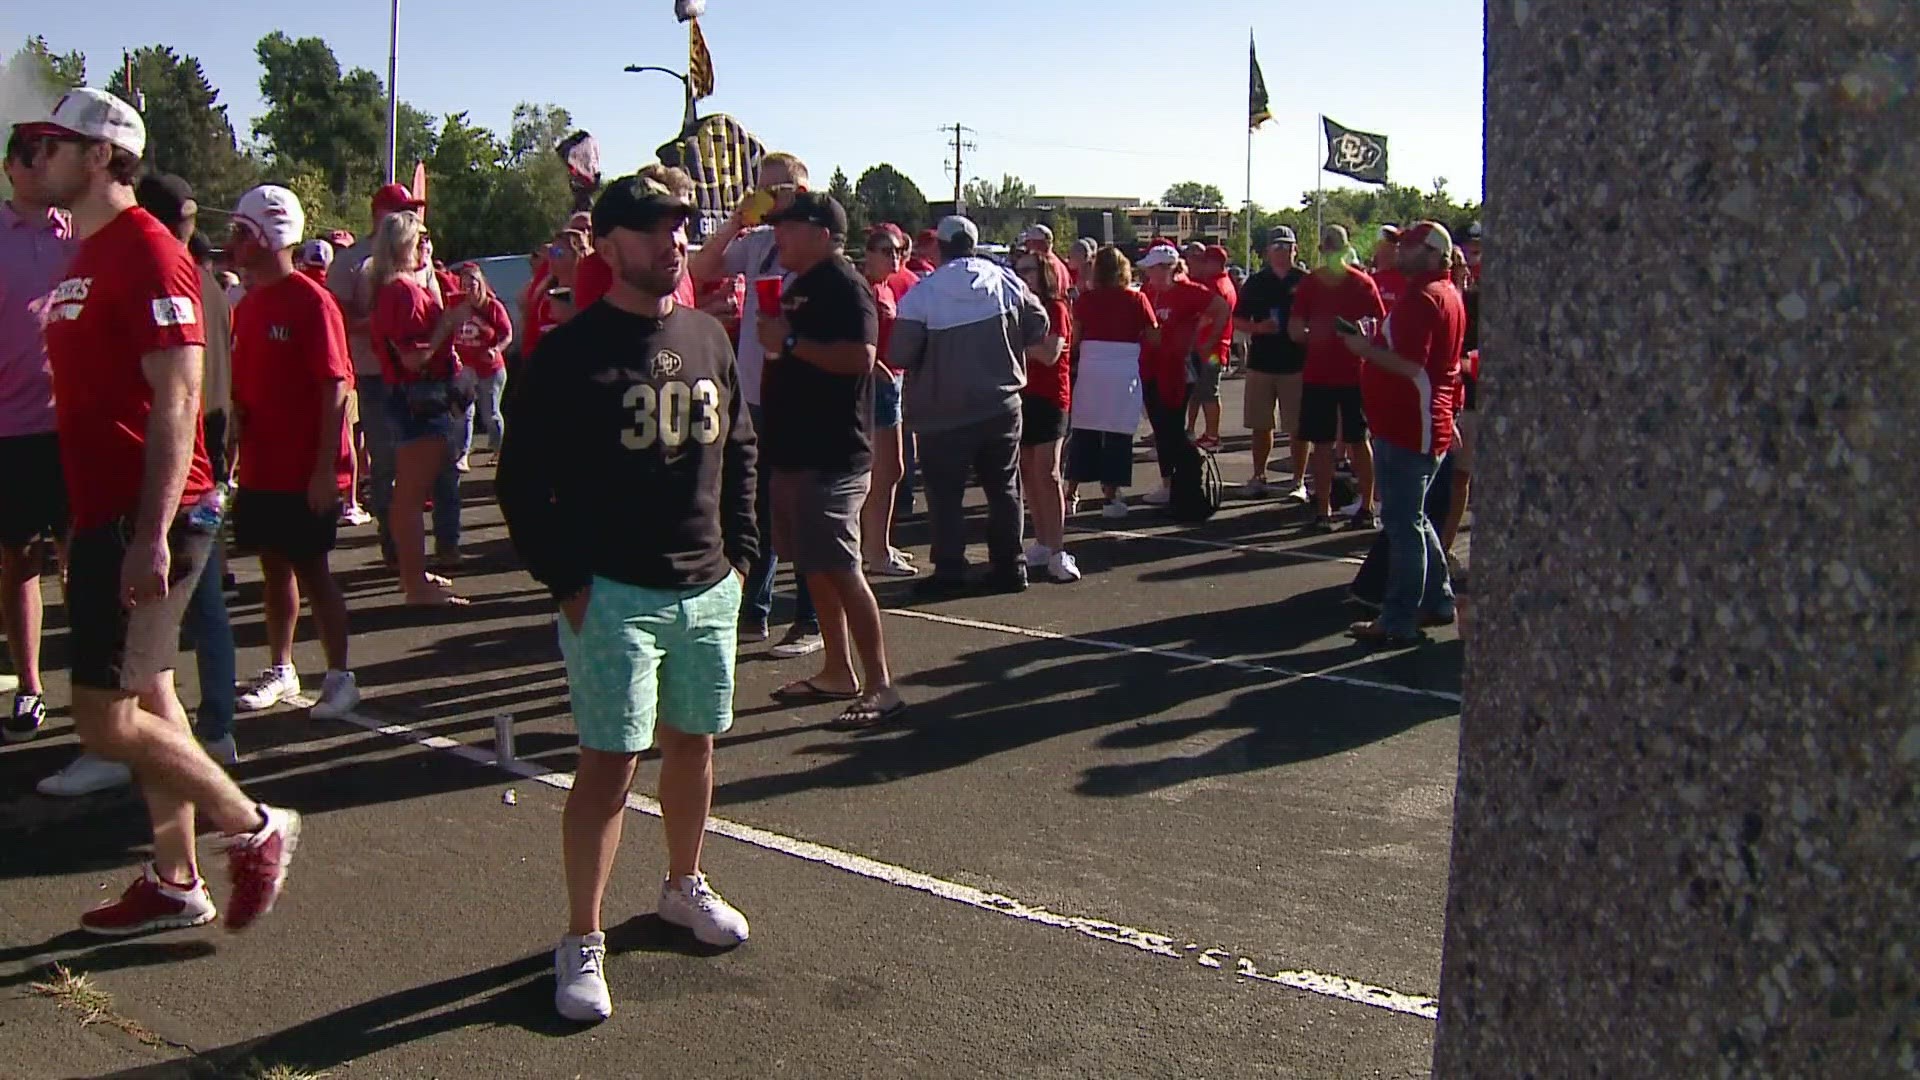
[793, 340]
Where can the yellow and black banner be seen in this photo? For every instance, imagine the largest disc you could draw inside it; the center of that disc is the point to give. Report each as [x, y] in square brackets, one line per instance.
[723, 158]
[699, 62]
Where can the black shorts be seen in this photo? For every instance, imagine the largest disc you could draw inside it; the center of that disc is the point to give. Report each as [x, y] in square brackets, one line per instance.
[1041, 421]
[1332, 414]
[111, 647]
[275, 523]
[35, 503]
[1472, 392]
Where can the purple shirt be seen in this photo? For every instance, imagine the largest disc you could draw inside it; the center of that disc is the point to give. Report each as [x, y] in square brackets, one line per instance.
[34, 254]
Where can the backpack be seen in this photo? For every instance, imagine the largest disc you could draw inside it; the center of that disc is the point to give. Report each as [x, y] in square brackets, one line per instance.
[1195, 487]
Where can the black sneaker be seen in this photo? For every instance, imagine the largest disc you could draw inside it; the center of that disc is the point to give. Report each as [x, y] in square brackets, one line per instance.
[29, 712]
[943, 585]
[1328, 524]
[1366, 519]
[1010, 580]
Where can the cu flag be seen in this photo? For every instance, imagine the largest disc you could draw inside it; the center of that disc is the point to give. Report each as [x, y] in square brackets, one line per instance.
[723, 158]
[1355, 154]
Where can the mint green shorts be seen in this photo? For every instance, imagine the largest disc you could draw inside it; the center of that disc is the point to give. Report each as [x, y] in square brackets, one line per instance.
[642, 653]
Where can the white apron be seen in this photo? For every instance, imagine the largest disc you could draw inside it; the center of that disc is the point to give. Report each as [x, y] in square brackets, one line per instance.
[1106, 392]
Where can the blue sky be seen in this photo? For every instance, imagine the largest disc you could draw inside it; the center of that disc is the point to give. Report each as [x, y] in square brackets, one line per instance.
[1088, 97]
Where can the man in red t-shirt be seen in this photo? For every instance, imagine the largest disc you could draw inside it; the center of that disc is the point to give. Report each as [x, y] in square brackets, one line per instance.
[1189, 315]
[926, 253]
[1330, 409]
[125, 338]
[291, 378]
[1386, 269]
[1210, 269]
[1410, 380]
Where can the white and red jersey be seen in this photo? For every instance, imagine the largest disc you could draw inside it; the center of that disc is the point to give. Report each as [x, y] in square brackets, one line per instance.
[1426, 327]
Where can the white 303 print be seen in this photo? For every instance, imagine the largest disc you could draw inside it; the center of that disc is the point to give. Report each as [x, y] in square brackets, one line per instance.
[668, 415]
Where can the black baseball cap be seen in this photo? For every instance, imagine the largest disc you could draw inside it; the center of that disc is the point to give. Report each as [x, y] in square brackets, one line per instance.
[635, 202]
[165, 196]
[814, 208]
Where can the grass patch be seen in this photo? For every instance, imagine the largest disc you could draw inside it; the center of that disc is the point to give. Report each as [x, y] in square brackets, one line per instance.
[75, 993]
[257, 1071]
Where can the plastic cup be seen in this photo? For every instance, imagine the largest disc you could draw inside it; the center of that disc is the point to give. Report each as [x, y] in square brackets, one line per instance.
[766, 293]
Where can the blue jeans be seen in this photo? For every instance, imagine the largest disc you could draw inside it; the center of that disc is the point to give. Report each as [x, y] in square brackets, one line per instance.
[207, 626]
[484, 416]
[382, 439]
[1416, 563]
[759, 600]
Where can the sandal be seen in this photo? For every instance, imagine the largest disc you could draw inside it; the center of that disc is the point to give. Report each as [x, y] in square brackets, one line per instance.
[1372, 633]
[869, 713]
[439, 597]
[806, 692]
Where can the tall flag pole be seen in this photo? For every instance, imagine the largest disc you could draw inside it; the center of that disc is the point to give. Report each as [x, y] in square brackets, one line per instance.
[1259, 111]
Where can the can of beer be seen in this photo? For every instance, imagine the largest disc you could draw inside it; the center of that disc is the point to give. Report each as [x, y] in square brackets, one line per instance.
[503, 738]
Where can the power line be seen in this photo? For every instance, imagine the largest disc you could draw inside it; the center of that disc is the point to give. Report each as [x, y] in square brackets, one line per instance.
[957, 165]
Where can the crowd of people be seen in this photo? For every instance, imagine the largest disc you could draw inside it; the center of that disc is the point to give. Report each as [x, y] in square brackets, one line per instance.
[674, 423]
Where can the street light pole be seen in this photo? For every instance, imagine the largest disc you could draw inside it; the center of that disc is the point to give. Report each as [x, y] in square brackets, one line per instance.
[691, 117]
[393, 94]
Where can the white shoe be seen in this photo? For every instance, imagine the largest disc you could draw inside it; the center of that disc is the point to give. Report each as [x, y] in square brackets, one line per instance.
[222, 750]
[1062, 568]
[580, 980]
[1073, 506]
[1159, 496]
[798, 643]
[1115, 509]
[353, 515]
[86, 775]
[338, 696]
[1038, 554]
[688, 902]
[461, 464]
[1299, 493]
[269, 688]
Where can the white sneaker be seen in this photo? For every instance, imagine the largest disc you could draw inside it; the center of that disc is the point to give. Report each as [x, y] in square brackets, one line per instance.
[338, 696]
[690, 903]
[798, 642]
[1073, 505]
[1299, 493]
[1159, 496]
[580, 981]
[269, 688]
[461, 464]
[353, 515]
[1038, 554]
[222, 750]
[1115, 509]
[86, 775]
[1062, 568]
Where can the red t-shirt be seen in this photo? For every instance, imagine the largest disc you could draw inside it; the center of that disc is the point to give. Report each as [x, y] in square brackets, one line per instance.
[1113, 314]
[404, 317]
[289, 349]
[593, 279]
[1179, 308]
[131, 289]
[482, 340]
[889, 313]
[1353, 297]
[1392, 285]
[317, 273]
[1053, 382]
[1222, 284]
[1427, 327]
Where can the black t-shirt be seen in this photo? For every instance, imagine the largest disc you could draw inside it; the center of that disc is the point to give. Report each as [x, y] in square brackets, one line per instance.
[814, 419]
[1267, 295]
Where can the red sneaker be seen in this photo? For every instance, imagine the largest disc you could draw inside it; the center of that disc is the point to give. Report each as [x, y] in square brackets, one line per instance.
[258, 862]
[148, 904]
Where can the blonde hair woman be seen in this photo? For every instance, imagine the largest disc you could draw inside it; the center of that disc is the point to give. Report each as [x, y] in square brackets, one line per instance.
[412, 334]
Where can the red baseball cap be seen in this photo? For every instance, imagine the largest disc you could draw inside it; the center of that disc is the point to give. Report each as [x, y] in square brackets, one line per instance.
[1163, 241]
[1215, 251]
[395, 197]
[927, 236]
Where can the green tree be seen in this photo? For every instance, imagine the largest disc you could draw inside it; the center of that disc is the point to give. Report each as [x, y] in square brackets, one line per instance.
[858, 216]
[1065, 230]
[318, 116]
[888, 195]
[324, 213]
[43, 72]
[463, 177]
[1011, 193]
[536, 130]
[188, 132]
[1193, 193]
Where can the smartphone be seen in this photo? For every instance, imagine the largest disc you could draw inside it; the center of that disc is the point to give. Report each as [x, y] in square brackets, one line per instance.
[561, 293]
[1346, 326]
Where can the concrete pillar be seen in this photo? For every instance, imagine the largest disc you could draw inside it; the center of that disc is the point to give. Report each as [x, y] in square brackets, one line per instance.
[1687, 829]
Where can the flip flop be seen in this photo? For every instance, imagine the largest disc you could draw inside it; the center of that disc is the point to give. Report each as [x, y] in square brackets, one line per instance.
[805, 692]
[438, 600]
[865, 714]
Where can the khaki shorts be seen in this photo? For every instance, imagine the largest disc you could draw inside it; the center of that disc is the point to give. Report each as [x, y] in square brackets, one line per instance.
[1263, 392]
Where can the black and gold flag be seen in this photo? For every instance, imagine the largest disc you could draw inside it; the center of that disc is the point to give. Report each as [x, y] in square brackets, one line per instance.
[699, 62]
[1258, 110]
[1355, 153]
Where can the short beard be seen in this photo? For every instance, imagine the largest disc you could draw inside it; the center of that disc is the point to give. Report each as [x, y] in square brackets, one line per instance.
[648, 280]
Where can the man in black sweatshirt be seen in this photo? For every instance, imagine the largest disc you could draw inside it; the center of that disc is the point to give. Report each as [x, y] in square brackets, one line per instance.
[627, 482]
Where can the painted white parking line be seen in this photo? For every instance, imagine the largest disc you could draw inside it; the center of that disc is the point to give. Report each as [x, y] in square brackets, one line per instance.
[1289, 675]
[1217, 545]
[1147, 941]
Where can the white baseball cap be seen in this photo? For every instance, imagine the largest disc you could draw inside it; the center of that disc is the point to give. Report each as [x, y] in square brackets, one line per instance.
[1160, 255]
[93, 114]
[315, 253]
[274, 214]
[953, 227]
[1037, 231]
[1429, 234]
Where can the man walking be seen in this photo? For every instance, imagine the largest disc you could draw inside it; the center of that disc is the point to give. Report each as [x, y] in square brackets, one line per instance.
[1410, 383]
[962, 340]
[125, 335]
[818, 449]
[627, 482]
[1274, 362]
[1330, 409]
[291, 379]
[36, 243]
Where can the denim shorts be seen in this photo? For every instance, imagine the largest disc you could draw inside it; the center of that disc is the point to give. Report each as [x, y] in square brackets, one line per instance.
[886, 401]
[644, 653]
[408, 427]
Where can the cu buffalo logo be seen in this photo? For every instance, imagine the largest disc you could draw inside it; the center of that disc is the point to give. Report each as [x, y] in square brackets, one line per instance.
[667, 364]
[1356, 154]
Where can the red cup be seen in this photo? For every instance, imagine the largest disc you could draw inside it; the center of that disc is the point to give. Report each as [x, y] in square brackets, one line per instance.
[766, 293]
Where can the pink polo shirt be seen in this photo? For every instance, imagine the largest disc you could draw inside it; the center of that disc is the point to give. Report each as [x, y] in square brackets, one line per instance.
[34, 253]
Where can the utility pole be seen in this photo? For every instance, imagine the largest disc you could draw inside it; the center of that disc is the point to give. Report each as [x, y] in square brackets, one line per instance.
[960, 146]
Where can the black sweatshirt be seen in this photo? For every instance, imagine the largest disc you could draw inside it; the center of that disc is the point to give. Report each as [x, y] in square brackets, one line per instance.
[629, 454]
